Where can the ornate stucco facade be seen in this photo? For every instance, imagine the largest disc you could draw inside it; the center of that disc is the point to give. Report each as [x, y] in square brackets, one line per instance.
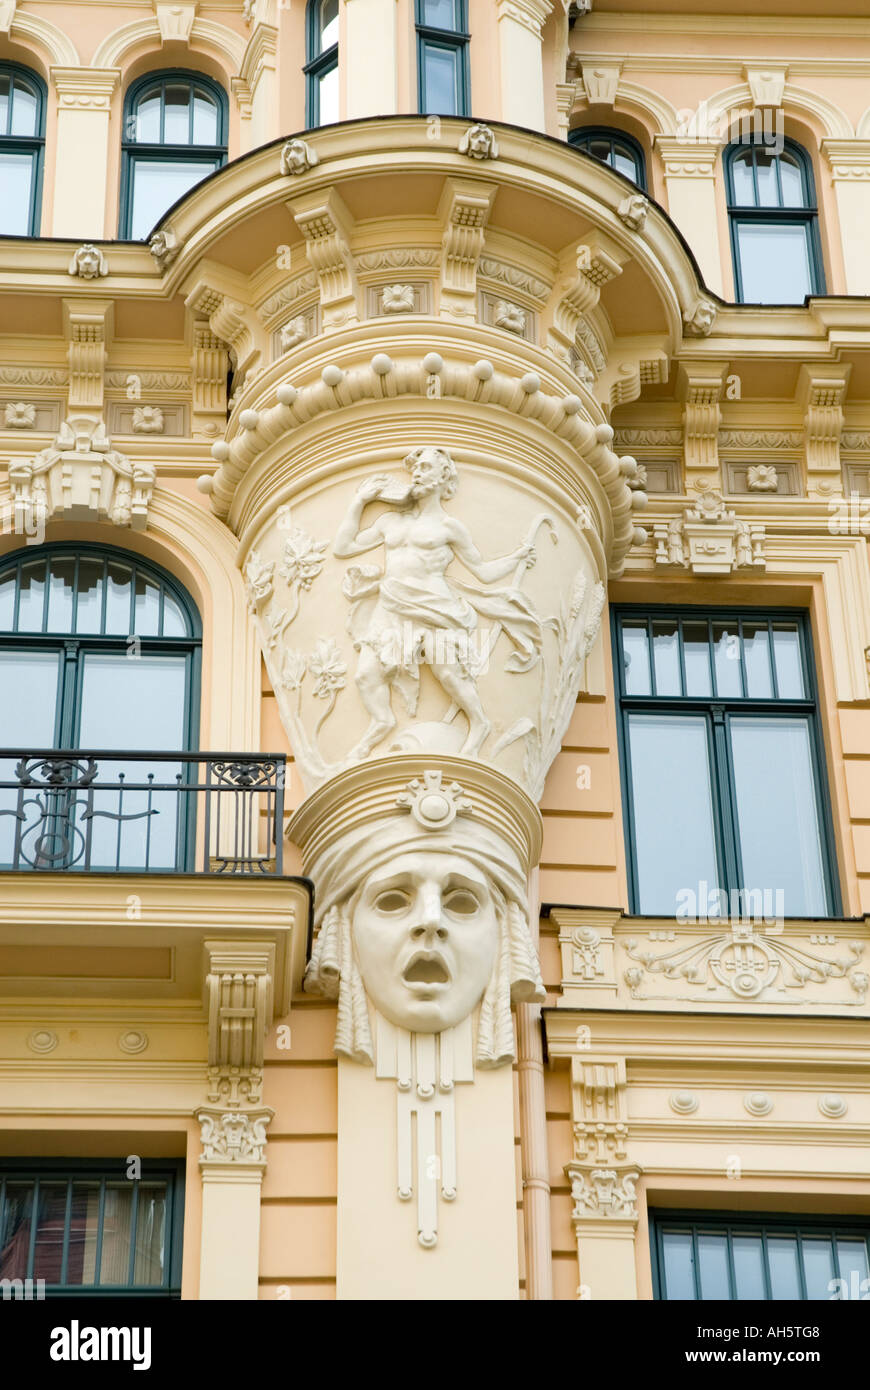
[409, 409]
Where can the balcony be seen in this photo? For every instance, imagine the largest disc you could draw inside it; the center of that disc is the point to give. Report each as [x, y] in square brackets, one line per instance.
[84, 811]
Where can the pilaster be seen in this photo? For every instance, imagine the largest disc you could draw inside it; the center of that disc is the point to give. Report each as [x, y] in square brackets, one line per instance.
[84, 101]
[849, 162]
[690, 179]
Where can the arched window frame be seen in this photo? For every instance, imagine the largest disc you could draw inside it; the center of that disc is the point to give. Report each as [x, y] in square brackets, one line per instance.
[806, 216]
[455, 41]
[584, 135]
[72, 643]
[34, 145]
[319, 63]
[214, 156]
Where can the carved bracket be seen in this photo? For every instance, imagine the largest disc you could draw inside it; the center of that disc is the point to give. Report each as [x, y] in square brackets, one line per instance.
[81, 478]
[710, 539]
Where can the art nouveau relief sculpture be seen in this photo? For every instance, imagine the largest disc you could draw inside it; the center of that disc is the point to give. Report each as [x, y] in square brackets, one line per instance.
[440, 664]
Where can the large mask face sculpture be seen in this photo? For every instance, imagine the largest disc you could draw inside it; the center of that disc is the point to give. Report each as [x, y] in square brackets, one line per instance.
[425, 935]
[425, 924]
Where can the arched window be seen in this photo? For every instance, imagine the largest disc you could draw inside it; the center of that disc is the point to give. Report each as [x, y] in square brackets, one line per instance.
[442, 57]
[98, 651]
[613, 147]
[321, 70]
[175, 133]
[22, 137]
[774, 224]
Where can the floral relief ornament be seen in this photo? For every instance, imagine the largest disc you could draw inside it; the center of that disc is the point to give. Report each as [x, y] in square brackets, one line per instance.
[19, 416]
[302, 563]
[258, 579]
[294, 332]
[762, 477]
[147, 419]
[397, 299]
[509, 316]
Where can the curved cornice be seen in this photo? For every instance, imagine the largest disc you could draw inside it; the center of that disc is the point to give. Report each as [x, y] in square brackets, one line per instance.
[835, 122]
[117, 45]
[57, 48]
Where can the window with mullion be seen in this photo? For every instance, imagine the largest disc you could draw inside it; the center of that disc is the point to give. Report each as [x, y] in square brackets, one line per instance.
[774, 224]
[442, 58]
[321, 70]
[86, 1228]
[98, 651]
[731, 1256]
[723, 766]
[22, 140]
[614, 148]
[174, 136]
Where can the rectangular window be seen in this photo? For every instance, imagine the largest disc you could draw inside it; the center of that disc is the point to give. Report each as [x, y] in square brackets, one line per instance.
[722, 764]
[87, 1228]
[701, 1256]
[776, 261]
[442, 58]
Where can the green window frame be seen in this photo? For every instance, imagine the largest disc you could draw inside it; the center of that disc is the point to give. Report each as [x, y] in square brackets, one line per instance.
[610, 146]
[723, 680]
[87, 1224]
[322, 62]
[22, 144]
[731, 1256]
[443, 38]
[68, 604]
[146, 148]
[761, 204]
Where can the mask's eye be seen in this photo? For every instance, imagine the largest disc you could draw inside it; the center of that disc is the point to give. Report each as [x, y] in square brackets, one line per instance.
[392, 900]
[461, 902]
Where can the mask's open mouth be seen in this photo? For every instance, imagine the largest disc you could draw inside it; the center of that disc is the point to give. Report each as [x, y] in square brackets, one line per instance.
[426, 970]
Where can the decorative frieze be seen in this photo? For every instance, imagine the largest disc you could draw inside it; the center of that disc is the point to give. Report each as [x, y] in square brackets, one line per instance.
[80, 478]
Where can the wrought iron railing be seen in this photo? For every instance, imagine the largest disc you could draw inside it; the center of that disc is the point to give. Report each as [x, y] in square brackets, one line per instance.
[118, 812]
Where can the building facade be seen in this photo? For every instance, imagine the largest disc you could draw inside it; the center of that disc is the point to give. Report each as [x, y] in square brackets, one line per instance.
[435, 649]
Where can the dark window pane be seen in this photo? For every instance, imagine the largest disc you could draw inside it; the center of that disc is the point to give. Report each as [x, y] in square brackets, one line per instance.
[782, 1257]
[5, 89]
[441, 80]
[787, 653]
[15, 1230]
[25, 109]
[48, 1250]
[119, 579]
[440, 14]
[673, 814]
[792, 182]
[852, 1260]
[666, 654]
[156, 185]
[624, 164]
[818, 1266]
[175, 622]
[150, 1235]
[32, 596]
[328, 24]
[635, 647]
[205, 118]
[61, 591]
[726, 645]
[696, 655]
[741, 177]
[117, 1215]
[147, 125]
[713, 1265]
[679, 1264]
[176, 114]
[748, 1267]
[600, 149]
[756, 650]
[328, 97]
[16, 192]
[7, 600]
[89, 609]
[84, 1222]
[147, 606]
[780, 836]
[775, 262]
